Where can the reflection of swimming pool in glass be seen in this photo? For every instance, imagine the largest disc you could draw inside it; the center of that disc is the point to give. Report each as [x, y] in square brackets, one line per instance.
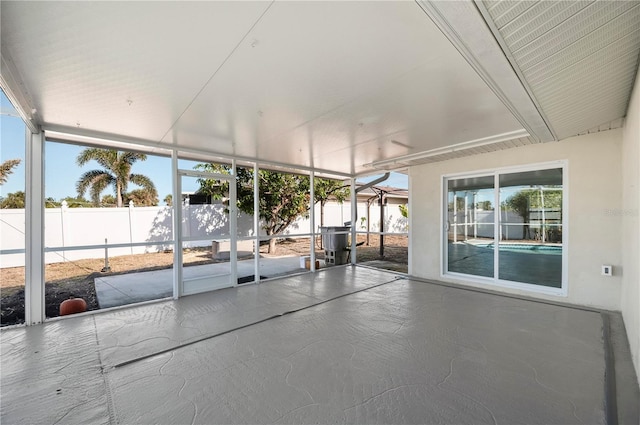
[518, 262]
[527, 248]
[532, 249]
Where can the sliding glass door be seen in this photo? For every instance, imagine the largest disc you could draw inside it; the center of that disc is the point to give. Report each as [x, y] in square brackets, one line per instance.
[470, 225]
[531, 227]
[521, 213]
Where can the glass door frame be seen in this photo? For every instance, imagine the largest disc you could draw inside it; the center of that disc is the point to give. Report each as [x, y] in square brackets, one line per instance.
[179, 288]
[495, 280]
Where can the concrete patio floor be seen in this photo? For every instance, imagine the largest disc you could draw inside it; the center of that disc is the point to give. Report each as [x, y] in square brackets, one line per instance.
[344, 345]
[118, 290]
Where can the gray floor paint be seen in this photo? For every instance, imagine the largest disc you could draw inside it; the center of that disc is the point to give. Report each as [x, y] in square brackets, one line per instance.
[364, 347]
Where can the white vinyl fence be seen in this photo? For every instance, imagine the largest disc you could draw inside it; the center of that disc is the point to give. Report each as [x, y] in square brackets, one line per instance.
[480, 224]
[77, 233]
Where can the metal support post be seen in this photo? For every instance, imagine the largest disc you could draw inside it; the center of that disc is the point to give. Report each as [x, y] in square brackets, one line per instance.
[312, 220]
[381, 224]
[256, 222]
[233, 224]
[177, 225]
[354, 217]
[34, 235]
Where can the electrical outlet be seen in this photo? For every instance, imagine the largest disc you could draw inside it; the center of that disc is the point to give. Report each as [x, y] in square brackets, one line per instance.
[607, 270]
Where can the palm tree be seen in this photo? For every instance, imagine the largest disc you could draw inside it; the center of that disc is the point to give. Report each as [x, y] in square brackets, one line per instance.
[142, 197]
[13, 200]
[116, 172]
[6, 168]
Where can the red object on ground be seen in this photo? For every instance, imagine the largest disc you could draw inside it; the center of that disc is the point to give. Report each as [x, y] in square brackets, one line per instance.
[73, 306]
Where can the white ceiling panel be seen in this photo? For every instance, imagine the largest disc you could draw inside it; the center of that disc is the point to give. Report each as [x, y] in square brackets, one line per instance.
[82, 62]
[301, 90]
[332, 85]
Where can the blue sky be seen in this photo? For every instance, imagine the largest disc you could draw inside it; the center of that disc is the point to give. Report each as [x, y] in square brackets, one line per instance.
[395, 180]
[12, 134]
[62, 172]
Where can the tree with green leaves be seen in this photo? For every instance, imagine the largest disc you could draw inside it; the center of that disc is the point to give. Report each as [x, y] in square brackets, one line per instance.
[524, 200]
[283, 196]
[76, 202]
[329, 189]
[116, 172]
[13, 200]
[484, 205]
[404, 210]
[51, 203]
[168, 200]
[6, 168]
[142, 198]
[72, 202]
[108, 200]
[520, 203]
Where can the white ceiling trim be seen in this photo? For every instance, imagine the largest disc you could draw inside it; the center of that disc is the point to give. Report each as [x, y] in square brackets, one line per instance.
[465, 27]
[100, 139]
[507, 144]
[468, 148]
[11, 85]
[62, 134]
[611, 125]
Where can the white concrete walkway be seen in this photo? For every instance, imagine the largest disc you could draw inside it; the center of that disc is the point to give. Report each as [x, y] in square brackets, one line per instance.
[113, 291]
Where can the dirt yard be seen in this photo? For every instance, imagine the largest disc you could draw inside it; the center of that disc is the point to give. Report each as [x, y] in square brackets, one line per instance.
[74, 279]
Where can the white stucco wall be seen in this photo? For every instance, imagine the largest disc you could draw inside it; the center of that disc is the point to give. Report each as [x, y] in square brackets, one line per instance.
[594, 226]
[630, 297]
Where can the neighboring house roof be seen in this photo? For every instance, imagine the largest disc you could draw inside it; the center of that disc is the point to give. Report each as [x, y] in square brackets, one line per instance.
[390, 192]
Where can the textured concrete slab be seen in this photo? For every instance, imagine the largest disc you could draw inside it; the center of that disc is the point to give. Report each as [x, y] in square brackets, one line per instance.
[404, 352]
[129, 333]
[346, 345]
[628, 391]
[52, 374]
